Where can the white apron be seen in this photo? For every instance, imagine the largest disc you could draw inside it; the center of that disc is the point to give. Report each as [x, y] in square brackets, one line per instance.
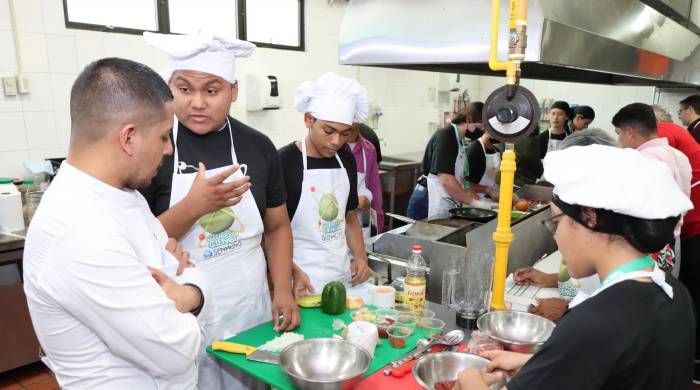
[225, 245]
[365, 216]
[437, 206]
[552, 144]
[493, 164]
[318, 225]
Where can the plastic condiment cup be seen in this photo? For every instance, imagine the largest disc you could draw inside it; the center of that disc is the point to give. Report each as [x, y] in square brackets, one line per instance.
[424, 313]
[364, 334]
[363, 314]
[398, 336]
[431, 326]
[404, 308]
[407, 320]
[383, 297]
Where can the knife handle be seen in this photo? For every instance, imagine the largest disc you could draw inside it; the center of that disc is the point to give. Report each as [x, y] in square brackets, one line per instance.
[232, 347]
[400, 371]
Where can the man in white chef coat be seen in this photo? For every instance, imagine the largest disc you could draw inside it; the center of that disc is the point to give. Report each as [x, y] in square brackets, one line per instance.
[99, 270]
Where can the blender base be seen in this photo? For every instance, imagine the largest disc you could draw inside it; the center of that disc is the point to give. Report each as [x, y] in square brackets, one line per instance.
[467, 319]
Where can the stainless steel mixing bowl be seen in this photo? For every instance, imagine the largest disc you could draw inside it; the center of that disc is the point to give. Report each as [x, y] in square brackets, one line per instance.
[518, 331]
[445, 366]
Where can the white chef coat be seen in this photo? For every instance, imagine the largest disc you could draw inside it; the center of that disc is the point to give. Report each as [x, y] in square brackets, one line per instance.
[100, 317]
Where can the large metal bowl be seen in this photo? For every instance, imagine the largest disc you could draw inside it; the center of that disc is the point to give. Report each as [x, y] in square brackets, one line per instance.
[518, 331]
[324, 364]
[445, 366]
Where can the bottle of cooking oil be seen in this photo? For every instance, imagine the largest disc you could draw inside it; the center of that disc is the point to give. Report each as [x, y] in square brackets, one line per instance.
[415, 283]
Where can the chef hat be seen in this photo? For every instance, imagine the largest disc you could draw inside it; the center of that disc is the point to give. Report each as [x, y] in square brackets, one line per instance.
[202, 51]
[615, 179]
[333, 98]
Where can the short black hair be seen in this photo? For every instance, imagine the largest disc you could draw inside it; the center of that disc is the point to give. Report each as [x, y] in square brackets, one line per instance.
[586, 112]
[111, 92]
[638, 116]
[472, 112]
[692, 101]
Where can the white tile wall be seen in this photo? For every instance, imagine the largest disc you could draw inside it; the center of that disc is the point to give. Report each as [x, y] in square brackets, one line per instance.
[5, 23]
[54, 22]
[29, 15]
[11, 163]
[12, 132]
[60, 87]
[41, 129]
[8, 59]
[40, 98]
[34, 57]
[62, 128]
[62, 52]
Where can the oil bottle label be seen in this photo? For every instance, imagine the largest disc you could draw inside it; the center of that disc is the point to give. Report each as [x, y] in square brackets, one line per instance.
[415, 295]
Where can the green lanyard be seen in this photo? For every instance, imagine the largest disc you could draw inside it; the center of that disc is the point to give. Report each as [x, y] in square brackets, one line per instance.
[462, 150]
[625, 268]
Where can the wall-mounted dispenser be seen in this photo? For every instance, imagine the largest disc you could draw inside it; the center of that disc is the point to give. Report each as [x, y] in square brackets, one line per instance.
[262, 92]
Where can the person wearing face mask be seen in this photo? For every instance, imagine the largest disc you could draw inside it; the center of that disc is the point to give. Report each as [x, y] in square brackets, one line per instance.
[445, 165]
[320, 178]
[484, 164]
[636, 330]
[582, 118]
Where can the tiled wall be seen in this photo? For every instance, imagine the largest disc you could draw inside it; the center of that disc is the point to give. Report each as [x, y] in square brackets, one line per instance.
[37, 125]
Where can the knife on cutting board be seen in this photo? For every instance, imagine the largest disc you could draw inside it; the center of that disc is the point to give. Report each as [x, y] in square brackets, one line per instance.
[251, 353]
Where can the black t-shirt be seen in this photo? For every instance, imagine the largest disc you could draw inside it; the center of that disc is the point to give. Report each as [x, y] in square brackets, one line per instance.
[214, 150]
[441, 152]
[367, 133]
[544, 141]
[477, 161]
[630, 336]
[293, 169]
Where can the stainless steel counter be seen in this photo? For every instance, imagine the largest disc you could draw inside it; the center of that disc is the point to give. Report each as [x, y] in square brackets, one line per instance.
[389, 251]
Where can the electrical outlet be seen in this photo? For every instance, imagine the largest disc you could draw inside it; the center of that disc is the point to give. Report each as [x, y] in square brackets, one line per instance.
[23, 83]
[9, 86]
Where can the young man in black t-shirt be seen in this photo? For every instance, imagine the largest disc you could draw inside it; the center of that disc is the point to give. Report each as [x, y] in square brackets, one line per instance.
[320, 177]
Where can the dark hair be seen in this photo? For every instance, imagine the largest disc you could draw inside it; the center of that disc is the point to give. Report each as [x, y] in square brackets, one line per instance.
[472, 112]
[692, 101]
[562, 105]
[645, 235]
[587, 137]
[111, 92]
[586, 112]
[638, 116]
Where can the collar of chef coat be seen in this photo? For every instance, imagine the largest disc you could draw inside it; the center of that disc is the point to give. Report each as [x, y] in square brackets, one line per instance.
[84, 182]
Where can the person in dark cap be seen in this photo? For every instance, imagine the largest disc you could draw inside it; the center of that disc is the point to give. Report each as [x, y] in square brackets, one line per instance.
[581, 118]
[558, 116]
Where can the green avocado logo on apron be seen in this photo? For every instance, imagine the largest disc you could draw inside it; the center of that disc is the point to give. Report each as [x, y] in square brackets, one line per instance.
[329, 223]
[219, 233]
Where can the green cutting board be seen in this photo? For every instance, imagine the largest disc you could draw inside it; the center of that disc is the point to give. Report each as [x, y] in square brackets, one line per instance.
[314, 324]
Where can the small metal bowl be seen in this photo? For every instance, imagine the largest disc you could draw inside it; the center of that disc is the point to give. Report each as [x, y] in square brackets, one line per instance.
[324, 364]
[518, 331]
[445, 366]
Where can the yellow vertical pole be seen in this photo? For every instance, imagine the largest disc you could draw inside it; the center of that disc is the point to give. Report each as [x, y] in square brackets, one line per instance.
[503, 235]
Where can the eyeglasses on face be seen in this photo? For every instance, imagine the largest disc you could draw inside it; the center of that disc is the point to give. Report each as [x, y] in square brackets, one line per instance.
[552, 223]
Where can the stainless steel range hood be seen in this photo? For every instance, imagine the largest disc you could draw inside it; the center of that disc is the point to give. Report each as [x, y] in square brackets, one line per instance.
[593, 41]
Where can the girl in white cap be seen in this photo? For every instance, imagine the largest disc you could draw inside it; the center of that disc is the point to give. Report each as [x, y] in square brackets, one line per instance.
[321, 182]
[636, 331]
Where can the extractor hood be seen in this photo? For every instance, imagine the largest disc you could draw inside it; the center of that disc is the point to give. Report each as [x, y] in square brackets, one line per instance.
[592, 41]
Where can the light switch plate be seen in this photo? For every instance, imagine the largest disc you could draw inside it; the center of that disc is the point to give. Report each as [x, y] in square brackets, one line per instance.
[9, 86]
[23, 83]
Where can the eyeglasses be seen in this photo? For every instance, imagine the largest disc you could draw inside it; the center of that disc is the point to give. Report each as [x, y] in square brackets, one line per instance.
[552, 223]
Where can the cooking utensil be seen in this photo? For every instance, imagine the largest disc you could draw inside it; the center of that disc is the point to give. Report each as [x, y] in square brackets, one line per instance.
[425, 230]
[452, 337]
[324, 364]
[251, 353]
[452, 201]
[518, 331]
[473, 214]
[445, 366]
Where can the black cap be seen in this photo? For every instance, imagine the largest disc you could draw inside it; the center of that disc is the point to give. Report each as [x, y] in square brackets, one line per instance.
[585, 112]
[562, 105]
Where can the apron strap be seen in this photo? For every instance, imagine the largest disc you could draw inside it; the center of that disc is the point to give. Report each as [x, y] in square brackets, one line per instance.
[180, 166]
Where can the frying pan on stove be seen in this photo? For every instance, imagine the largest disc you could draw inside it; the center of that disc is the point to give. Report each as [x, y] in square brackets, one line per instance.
[470, 213]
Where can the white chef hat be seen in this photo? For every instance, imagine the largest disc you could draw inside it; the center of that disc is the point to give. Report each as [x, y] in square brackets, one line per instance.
[202, 51]
[615, 179]
[333, 98]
